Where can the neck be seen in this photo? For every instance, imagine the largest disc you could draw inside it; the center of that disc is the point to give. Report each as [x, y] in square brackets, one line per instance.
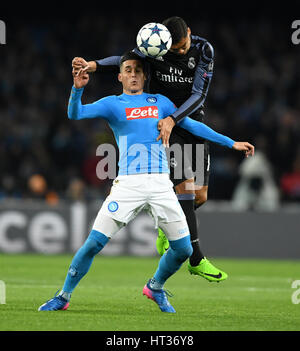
[132, 92]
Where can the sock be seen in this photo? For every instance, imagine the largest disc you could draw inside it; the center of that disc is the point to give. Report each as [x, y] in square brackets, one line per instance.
[155, 285]
[82, 261]
[172, 260]
[187, 203]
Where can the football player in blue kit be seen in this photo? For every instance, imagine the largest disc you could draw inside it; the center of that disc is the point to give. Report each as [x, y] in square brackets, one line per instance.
[183, 75]
[143, 185]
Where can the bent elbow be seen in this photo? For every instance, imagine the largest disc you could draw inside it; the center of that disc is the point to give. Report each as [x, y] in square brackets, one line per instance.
[71, 115]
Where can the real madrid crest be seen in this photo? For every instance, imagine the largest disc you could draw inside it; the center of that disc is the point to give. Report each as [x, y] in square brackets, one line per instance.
[191, 63]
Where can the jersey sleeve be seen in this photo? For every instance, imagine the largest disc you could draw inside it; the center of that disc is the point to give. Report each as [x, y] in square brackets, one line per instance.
[108, 64]
[202, 79]
[203, 131]
[77, 111]
[168, 106]
[137, 51]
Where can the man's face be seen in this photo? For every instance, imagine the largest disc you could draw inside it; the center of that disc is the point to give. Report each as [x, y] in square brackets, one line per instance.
[132, 77]
[183, 46]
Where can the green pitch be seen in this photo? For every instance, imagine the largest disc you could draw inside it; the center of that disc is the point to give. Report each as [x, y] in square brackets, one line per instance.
[256, 296]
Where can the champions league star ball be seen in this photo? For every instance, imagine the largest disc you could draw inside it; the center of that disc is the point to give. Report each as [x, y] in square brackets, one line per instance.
[154, 40]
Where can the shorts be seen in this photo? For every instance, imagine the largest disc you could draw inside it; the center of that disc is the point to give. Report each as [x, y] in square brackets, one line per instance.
[188, 157]
[130, 194]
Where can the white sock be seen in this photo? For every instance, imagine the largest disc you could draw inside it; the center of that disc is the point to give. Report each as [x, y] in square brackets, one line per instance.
[65, 295]
[155, 285]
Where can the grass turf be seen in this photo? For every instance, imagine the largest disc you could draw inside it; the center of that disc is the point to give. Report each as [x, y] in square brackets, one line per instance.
[257, 296]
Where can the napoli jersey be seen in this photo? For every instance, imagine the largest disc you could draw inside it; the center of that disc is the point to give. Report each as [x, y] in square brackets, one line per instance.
[133, 120]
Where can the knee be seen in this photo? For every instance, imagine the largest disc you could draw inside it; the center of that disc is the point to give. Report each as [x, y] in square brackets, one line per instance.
[182, 248]
[92, 247]
[185, 252]
[95, 242]
[201, 198]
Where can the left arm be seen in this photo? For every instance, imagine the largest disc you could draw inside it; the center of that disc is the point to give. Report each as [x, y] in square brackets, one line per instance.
[202, 79]
[203, 131]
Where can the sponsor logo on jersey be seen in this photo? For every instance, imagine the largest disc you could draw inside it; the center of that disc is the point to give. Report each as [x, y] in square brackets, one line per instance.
[175, 76]
[152, 99]
[141, 112]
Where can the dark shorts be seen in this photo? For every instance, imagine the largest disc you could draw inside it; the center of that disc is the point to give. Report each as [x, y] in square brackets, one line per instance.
[188, 157]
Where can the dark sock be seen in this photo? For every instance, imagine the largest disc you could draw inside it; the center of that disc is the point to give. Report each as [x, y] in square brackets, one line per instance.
[187, 203]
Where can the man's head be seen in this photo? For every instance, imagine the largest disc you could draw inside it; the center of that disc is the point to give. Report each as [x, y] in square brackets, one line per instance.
[181, 40]
[132, 73]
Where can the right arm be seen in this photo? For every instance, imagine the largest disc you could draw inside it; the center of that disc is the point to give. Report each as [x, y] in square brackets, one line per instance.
[78, 111]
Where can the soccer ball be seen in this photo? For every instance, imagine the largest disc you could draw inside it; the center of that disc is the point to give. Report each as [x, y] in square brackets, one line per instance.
[154, 40]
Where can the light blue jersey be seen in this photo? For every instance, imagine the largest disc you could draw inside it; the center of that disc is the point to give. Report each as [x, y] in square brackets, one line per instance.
[133, 120]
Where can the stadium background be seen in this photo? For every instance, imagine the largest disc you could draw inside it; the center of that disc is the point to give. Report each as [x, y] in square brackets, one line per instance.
[47, 166]
[254, 95]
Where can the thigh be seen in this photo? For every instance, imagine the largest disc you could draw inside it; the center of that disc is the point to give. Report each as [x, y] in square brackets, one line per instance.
[186, 187]
[201, 193]
[107, 225]
[201, 165]
[163, 204]
[175, 230]
[188, 157]
[125, 200]
[180, 163]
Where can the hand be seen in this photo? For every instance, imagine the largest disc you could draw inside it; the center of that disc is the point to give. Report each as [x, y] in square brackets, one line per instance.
[165, 126]
[80, 80]
[244, 146]
[79, 65]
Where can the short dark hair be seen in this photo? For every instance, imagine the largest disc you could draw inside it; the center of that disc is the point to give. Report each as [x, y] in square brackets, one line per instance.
[177, 27]
[131, 55]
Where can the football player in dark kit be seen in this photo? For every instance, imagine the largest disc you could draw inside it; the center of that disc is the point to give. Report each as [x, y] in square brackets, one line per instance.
[183, 74]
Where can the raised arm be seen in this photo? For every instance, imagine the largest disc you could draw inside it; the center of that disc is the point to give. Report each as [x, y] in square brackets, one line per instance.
[76, 110]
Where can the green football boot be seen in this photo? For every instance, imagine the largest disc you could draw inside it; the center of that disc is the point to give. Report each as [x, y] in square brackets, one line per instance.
[208, 271]
[162, 243]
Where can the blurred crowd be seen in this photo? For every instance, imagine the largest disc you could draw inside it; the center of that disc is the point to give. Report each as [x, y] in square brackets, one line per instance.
[254, 96]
